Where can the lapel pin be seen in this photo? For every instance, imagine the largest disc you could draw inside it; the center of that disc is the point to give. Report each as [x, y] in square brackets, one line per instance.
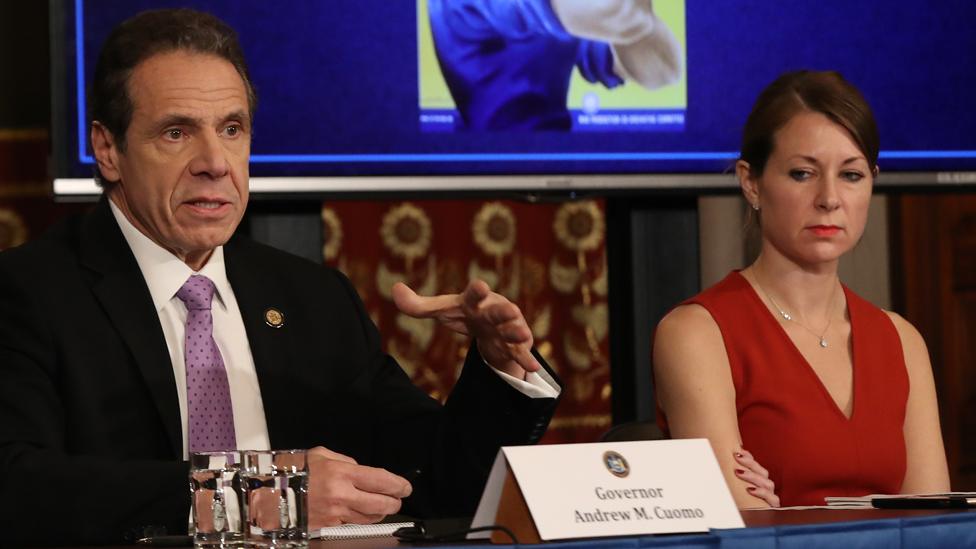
[274, 318]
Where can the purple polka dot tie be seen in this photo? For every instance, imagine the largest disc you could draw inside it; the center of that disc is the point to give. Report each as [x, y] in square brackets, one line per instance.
[210, 416]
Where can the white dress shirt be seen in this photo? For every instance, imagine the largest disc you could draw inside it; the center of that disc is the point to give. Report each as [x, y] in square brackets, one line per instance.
[165, 274]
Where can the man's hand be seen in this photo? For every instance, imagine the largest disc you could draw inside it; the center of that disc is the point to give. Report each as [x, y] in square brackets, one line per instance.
[503, 335]
[341, 491]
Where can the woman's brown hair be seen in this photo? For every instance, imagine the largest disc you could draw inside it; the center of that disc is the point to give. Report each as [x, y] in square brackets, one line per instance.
[824, 92]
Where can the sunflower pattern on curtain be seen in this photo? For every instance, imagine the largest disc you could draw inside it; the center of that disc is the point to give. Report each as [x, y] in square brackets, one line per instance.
[550, 259]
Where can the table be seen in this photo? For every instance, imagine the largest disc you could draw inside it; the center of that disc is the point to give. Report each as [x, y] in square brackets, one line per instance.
[768, 529]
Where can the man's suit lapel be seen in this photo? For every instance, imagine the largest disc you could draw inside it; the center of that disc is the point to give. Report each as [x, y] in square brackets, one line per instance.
[256, 292]
[121, 290]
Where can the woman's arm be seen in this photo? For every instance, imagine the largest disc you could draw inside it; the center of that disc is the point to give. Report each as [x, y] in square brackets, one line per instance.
[926, 469]
[693, 382]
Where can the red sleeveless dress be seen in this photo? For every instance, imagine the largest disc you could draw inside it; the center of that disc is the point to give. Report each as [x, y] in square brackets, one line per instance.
[787, 418]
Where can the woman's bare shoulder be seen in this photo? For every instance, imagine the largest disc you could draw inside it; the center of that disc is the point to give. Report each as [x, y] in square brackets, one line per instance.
[689, 335]
[912, 344]
[904, 327]
[688, 321]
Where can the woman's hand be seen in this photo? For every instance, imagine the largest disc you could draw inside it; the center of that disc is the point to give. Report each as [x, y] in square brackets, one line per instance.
[756, 476]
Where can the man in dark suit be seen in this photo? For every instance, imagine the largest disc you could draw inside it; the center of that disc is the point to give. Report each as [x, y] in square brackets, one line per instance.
[102, 399]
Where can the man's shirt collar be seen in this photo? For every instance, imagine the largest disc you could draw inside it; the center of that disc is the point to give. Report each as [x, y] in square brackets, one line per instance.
[164, 272]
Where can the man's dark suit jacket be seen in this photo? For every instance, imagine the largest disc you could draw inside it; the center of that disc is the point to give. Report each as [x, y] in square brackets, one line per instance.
[90, 433]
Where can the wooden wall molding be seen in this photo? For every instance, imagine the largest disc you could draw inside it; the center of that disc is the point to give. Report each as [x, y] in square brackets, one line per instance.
[934, 287]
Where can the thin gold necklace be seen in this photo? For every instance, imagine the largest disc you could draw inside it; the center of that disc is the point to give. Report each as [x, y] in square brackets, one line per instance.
[787, 316]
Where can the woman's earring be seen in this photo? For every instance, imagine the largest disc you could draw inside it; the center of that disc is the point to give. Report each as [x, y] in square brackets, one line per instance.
[755, 206]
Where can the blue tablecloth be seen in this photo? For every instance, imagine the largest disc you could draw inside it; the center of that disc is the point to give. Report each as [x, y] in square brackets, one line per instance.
[953, 530]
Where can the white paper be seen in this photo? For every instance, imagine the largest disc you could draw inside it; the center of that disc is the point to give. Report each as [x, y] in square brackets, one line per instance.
[356, 531]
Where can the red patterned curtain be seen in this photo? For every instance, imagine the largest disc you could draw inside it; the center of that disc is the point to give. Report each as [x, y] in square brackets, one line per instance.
[548, 259]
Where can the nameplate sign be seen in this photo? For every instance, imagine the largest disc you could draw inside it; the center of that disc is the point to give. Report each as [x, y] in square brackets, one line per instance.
[564, 491]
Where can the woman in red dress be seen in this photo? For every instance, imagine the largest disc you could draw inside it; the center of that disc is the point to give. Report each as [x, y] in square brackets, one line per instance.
[832, 395]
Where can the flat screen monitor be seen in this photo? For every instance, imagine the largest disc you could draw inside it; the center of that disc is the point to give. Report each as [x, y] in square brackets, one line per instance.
[455, 95]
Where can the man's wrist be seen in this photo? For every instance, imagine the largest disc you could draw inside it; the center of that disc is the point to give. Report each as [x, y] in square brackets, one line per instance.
[511, 368]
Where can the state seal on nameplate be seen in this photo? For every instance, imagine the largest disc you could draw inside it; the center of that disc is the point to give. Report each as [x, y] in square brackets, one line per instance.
[616, 464]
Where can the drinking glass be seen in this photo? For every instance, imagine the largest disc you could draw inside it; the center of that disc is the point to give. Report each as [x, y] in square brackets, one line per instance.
[215, 499]
[276, 497]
